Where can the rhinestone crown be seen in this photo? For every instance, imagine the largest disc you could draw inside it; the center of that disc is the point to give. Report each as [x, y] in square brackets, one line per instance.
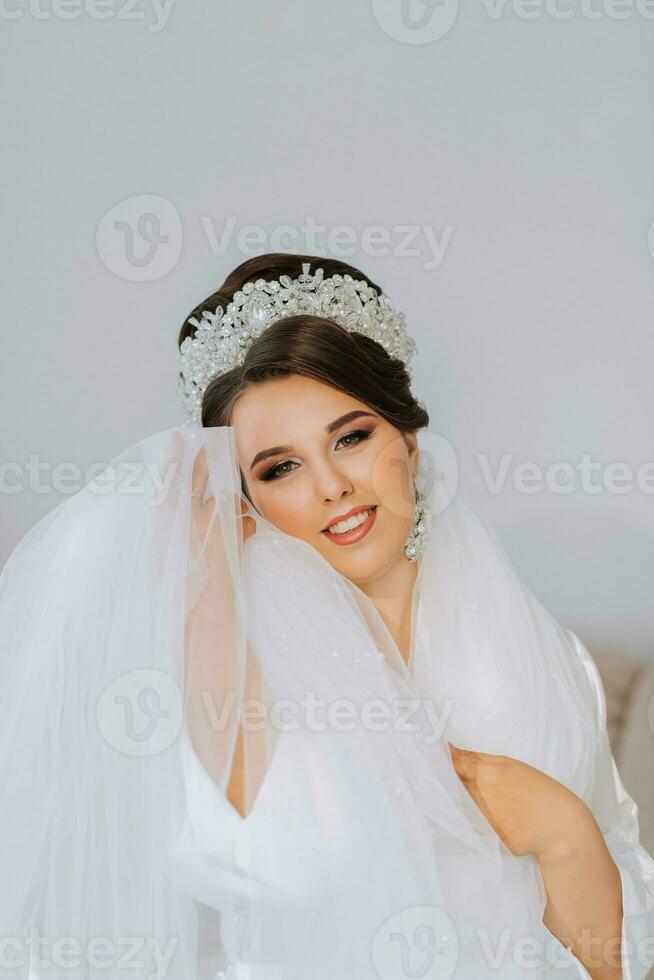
[222, 337]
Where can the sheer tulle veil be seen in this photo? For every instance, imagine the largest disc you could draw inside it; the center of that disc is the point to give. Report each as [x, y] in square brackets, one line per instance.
[131, 638]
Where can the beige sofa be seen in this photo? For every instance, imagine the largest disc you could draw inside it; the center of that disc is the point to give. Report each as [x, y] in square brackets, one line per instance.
[629, 687]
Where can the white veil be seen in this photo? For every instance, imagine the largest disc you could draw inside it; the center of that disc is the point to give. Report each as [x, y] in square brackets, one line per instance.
[135, 622]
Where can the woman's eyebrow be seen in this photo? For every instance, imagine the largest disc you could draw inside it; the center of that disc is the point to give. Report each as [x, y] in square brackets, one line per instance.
[330, 427]
[342, 419]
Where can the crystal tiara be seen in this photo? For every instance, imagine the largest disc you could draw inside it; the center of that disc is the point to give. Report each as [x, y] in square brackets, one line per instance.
[222, 338]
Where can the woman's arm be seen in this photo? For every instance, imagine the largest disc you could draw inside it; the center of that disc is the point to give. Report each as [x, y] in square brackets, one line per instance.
[584, 895]
[616, 816]
[598, 879]
[214, 648]
[535, 814]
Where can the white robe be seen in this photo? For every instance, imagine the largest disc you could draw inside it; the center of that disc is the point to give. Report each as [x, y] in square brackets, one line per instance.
[362, 855]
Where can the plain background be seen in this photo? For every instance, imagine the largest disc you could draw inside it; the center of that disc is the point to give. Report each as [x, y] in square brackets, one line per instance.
[524, 142]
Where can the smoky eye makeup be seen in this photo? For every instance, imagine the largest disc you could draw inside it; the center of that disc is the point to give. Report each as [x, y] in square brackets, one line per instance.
[351, 438]
[275, 471]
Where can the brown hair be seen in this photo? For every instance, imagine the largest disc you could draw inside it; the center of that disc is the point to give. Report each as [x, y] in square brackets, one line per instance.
[311, 346]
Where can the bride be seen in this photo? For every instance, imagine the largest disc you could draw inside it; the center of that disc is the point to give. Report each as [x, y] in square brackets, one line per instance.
[276, 705]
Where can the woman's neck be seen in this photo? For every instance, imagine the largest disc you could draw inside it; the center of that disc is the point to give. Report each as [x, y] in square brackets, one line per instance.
[392, 595]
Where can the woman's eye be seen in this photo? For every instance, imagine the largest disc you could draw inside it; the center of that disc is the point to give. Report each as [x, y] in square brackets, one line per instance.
[274, 472]
[358, 435]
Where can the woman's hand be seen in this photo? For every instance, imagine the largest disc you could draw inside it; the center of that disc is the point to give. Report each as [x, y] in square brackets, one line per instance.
[534, 814]
[531, 812]
[203, 511]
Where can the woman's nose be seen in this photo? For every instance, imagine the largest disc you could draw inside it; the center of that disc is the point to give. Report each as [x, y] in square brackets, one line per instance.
[332, 483]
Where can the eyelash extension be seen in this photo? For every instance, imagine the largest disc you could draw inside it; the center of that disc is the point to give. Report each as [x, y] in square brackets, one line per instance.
[273, 473]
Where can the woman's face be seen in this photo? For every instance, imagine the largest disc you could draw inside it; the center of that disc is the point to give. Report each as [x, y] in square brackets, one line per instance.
[310, 454]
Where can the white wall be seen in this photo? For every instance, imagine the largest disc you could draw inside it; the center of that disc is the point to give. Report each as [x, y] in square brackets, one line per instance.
[524, 144]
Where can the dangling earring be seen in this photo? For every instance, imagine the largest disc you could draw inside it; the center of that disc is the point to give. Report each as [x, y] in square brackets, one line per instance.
[422, 518]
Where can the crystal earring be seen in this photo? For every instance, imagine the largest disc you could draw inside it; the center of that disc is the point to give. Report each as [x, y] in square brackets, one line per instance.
[422, 518]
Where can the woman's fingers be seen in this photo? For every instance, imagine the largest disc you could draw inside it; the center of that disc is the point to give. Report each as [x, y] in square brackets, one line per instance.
[203, 510]
[249, 524]
[200, 473]
[465, 762]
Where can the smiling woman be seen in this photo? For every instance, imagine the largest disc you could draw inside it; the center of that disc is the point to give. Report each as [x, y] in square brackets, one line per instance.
[326, 433]
[297, 716]
[325, 426]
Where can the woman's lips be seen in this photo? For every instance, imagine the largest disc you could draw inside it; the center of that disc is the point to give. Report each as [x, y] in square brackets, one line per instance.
[349, 537]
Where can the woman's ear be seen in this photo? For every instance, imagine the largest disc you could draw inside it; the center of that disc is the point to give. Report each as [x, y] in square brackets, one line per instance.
[411, 440]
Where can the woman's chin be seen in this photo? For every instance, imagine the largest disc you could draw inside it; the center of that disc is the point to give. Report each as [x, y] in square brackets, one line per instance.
[360, 565]
[372, 555]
